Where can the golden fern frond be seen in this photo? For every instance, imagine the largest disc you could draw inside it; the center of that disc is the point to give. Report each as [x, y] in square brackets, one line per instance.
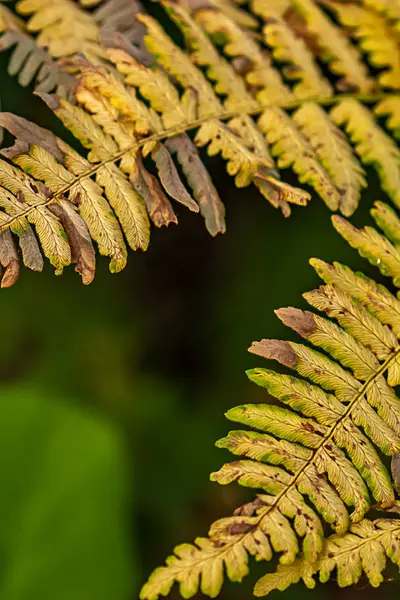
[315, 458]
[223, 87]
[363, 550]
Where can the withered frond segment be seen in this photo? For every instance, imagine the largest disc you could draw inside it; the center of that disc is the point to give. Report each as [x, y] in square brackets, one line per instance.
[315, 457]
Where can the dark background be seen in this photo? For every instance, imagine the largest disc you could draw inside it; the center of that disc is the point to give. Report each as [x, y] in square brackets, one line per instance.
[113, 395]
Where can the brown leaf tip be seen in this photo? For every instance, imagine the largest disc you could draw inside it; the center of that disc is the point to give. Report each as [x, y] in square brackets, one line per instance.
[276, 350]
[342, 225]
[52, 100]
[302, 322]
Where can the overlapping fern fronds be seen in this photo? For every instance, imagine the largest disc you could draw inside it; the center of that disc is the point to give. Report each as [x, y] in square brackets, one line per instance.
[277, 80]
[314, 456]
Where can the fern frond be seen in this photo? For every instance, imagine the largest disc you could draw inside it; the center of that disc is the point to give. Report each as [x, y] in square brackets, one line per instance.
[290, 49]
[223, 87]
[334, 152]
[372, 144]
[386, 7]
[342, 58]
[61, 27]
[364, 549]
[315, 458]
[28, 60]
[376, 37]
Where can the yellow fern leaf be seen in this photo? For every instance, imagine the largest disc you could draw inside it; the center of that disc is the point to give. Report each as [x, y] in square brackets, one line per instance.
[321, 446]
[123, 111]
[376, 37]
[390, 107]
[204, 54]
[299, 63]
[127, 204]
[373, 145]
[342, 58]
[293, 150]
[363, 550]
[62, 27]
[238, 43]
[154, 85]
[334, 153]
[390, 8]
[179, 65]
[48, 226]
[373, 246]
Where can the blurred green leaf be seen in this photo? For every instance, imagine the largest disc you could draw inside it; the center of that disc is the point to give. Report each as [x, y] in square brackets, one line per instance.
[64, 529]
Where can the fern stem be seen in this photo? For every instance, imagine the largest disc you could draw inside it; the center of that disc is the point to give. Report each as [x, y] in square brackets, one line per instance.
[175, 131]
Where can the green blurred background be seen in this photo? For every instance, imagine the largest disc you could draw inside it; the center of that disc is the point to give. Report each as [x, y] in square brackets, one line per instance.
[113, 395]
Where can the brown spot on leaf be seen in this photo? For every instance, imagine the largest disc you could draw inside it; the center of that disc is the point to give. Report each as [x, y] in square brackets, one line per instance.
[240, 528]
[248, 510]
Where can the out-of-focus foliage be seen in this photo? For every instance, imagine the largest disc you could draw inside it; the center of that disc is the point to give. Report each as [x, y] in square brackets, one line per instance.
[64, 502]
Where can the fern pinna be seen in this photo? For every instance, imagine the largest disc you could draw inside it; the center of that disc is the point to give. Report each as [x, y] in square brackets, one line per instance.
[278, 79]
[314, 456]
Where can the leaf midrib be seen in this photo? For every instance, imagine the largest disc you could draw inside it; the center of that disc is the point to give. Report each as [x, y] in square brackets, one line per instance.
[174, 131]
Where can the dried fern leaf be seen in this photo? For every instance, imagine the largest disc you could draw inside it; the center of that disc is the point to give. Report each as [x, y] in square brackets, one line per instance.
[200, 181]
[117, 15]
[32, 63]
[9, 260]
[362, 550]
